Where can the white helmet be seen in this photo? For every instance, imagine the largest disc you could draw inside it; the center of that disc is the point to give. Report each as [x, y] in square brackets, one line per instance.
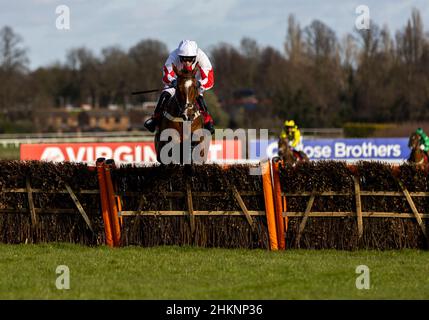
[188, 48]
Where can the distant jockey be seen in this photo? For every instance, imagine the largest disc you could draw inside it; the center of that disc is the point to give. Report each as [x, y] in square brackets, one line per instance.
[187, 56]
[424, 140]
[292, 133]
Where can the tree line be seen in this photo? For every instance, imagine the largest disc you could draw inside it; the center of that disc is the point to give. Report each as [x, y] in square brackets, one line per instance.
[319, 79]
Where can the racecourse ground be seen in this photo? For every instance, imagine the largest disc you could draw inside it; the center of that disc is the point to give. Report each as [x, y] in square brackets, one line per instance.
[29, 272]
[9, 153]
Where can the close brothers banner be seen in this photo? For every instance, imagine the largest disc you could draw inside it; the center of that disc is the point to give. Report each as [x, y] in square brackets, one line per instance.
[378, 149]
[121, 152]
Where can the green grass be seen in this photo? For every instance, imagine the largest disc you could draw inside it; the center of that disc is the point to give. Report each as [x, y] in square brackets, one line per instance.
[9, 153]
[28, 272]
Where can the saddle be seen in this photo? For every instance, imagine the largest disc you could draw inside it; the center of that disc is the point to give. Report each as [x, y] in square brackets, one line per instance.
[297, 155]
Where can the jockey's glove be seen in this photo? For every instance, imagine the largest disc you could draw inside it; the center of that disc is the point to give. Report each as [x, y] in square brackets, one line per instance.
[198, 84]
[173, 83]
[422, 147]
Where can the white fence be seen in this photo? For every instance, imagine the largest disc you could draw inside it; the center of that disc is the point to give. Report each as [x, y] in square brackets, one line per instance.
[129, 136]
[15, 140]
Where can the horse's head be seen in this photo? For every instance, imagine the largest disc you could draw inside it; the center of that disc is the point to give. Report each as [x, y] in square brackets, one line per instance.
[283, 145]
[284, 150]
[187, 92]
[414, 141]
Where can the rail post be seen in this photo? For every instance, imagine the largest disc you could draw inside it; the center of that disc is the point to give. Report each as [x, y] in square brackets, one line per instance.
[100, 165]
[116, 229]
[278, 206]
[269, 204]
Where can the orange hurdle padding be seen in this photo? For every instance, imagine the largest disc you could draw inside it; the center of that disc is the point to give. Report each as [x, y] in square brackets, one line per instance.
[269, 205]
[116, 229]
[104, 201]
[278, 205]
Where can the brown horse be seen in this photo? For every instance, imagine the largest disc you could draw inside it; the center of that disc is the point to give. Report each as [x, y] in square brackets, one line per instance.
[288, 154]
[181, 113]
[417, 155]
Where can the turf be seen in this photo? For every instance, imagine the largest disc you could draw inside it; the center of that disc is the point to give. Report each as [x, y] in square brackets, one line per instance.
[28, 272]
[9, 152]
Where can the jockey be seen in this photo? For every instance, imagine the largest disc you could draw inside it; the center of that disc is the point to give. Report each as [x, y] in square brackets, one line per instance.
[292, 133]
[187, 56]
[424, 140]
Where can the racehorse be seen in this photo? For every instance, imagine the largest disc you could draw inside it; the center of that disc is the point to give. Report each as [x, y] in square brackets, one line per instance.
[288, 154]
[182, 114]
[417, 155]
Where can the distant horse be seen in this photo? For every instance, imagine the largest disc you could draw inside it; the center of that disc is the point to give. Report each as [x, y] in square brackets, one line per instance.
[180, 111]
[417, 155]
[288, 154]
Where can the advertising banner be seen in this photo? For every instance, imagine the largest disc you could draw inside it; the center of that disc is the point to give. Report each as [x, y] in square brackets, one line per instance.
[121, 152]
[378, 149]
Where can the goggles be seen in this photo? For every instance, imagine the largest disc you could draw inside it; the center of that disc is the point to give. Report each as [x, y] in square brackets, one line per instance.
[187, 59]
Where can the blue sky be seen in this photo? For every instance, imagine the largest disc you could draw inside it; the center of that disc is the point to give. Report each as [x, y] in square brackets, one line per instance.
[100, 23]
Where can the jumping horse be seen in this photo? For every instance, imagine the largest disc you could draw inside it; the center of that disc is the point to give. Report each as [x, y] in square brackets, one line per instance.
[417, 155]
[182, 114]
[289, 155]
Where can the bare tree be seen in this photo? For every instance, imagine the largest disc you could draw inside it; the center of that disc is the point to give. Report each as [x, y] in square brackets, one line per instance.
[321, 41]
[251, 54]
[294, 42]
[349, 51]
[369, 42]
[13, 57]
[115, 76]
[148, 58]
[13, 68]
[230, 68]
[85, 68]
[411, 40]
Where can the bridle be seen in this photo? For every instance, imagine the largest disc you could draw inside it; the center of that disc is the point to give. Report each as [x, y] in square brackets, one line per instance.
[182, 110]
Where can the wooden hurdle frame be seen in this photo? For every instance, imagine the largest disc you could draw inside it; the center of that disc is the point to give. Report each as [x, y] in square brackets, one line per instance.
[33, 210]
[113, 213]
[280, 199]
[275, 201]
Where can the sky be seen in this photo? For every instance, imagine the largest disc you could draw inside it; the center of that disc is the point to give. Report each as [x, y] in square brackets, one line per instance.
[97, 24]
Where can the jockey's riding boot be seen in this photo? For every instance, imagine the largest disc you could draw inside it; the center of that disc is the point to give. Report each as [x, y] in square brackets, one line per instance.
[151, 124]
[153, 121]
[208, 120]
[209, 126]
